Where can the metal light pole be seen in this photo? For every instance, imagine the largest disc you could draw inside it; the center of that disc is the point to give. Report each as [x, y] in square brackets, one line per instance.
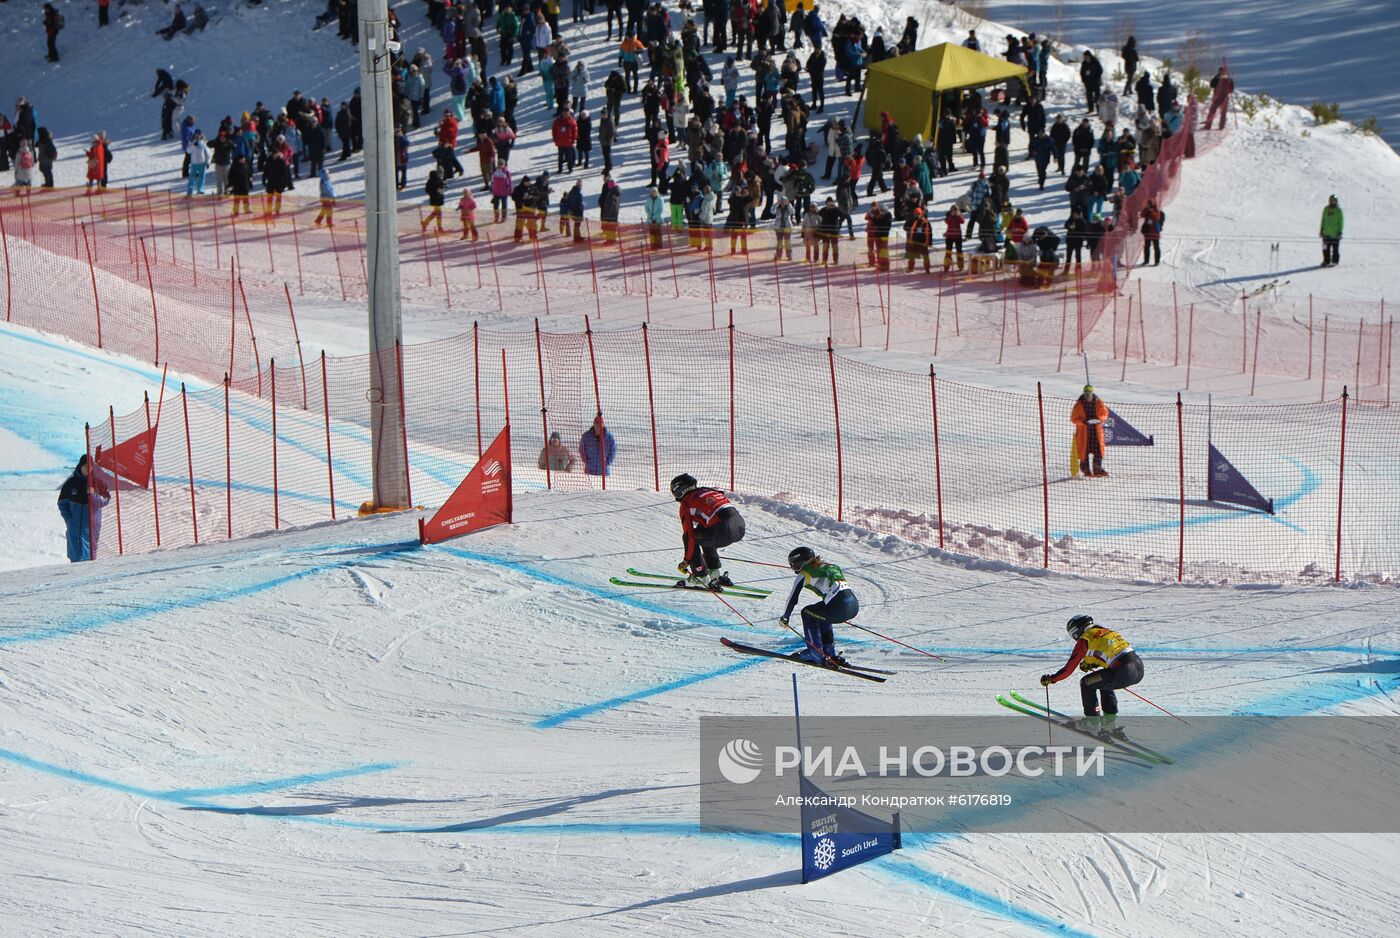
[387, 439]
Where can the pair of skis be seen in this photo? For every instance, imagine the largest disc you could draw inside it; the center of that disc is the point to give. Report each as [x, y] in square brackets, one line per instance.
[669, 581]
[742, 591]
[1030, 708]
[854, 670]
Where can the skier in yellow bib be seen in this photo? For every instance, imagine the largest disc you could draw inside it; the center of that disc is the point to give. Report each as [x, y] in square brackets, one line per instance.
[1112, 665]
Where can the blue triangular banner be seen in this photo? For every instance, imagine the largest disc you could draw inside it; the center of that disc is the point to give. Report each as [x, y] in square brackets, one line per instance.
[1225, 483]
[836, 837]
[1118, 432]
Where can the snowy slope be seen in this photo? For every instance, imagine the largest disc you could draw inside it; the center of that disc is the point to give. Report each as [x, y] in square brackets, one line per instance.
[334, 732]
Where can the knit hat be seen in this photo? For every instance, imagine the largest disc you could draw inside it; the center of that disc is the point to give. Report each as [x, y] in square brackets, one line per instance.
[1088, 389]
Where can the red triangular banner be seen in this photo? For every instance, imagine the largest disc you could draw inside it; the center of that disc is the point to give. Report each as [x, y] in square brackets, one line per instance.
[131, 459]
[483, 500]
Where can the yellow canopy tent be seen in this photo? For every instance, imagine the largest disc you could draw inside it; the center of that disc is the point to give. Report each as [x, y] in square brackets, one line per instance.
[906, 85]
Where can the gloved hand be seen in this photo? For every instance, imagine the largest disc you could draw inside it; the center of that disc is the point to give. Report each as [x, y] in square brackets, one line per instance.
[1046, 680]
[684, 568]
[1093, 421]
[1087, 665]
[783, 620]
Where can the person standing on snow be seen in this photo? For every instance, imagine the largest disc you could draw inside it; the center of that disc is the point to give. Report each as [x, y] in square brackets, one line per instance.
[838, 604]
[1330, 231]
[709, 521]
[1112, 665]
[1088, 416]
[74, 505]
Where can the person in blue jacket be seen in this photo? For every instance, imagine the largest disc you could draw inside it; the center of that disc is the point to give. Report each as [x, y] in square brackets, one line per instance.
[73, 499]
[598, 448]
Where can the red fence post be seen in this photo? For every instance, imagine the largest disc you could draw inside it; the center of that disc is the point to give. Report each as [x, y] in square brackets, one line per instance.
[710, 264]
[442, 264]
[1180, 493]
[155, 494]
[544, 410]
[1176, 330]
[811, 284]
[296, 336]
[597, 396]
[403, 424]
[1044, 472]
[232, 313]
[92, 538]
[92, 273]
[252, 336]
[1323, 395]
[335, 252]
[155, 314]
[778, 284]
[1190, 342]
[276, 505]
[731, 401]
[326, 408]
[593, 269]
[476, 381]
[937, 452]
[836, 416]
[651, 408]
[544, 281]
[937, 314]
[1244, 333]
[495, 271]
[116, 479]
[1127, 341]
[189, 461]
[9, 292]
[296, 246]
[1360, 332]
[1341, 471]
[228, 461]
[1254, 375]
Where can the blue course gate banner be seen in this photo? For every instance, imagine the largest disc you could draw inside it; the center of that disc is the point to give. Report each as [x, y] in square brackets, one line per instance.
[1118, 432]
[1225, 483]
[835, 837]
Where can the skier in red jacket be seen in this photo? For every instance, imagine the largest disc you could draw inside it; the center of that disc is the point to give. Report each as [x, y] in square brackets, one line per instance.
[708, 522]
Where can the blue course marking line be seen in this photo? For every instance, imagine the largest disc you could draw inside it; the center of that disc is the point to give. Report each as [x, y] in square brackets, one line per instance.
[102, 358]
[610, 593]
[56, 470]
[189, 799]
[1182, 650]
[187, 796]
[89, 621]
[566, 716]
[1305, 488]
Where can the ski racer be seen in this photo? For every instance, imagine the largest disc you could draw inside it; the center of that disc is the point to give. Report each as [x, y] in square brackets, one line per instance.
[708, 522]
[838, 604]
[1111, 664]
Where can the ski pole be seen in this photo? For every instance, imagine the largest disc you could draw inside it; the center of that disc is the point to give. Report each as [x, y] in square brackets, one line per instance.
[761, 563]
[749, 623]
[897, 642]
[1159, 707]
[1049, 731]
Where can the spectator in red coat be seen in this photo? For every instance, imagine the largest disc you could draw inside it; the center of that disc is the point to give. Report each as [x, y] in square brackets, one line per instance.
[565, 132]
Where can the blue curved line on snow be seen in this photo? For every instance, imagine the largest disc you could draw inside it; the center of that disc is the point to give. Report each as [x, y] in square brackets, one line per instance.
[88, 621]
[106, 359]
[566, 716]
[1214, 651]
[1306, 487]
[190, 796]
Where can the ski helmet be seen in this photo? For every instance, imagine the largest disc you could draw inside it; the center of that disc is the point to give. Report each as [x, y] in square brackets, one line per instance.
[1077, 626]
[800, 557]
[681, 484]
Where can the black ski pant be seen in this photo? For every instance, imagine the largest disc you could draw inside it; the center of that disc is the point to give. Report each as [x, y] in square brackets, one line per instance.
[1100, 685]
[703, 544]
[818, 618]
[1332, 251]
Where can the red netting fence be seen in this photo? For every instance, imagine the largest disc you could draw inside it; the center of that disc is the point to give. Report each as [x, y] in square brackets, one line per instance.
[801, 427]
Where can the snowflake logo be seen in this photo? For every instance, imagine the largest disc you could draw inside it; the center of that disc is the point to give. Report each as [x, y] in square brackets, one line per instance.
[824, 853]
